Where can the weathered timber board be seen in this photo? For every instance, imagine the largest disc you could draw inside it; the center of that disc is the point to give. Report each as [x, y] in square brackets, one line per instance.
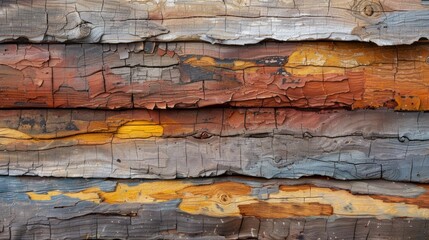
[387, 22]
[263, 142]
[188, 75]
[221, 208]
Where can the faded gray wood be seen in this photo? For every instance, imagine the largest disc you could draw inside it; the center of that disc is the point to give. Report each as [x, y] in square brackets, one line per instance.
[278, 156]
[216, 21]
[367, 144]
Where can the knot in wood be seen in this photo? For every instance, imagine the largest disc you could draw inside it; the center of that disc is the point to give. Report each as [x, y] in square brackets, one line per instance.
[368, 10]
[224, 198]
[427, 60]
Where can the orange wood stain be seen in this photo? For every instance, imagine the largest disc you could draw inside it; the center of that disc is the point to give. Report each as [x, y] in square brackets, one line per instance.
[285, 210]
[422, 200]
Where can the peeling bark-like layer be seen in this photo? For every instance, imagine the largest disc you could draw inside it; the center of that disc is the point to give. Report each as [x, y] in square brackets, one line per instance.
[189, 75]
[264, 142]
[388, 22]
[40, 208]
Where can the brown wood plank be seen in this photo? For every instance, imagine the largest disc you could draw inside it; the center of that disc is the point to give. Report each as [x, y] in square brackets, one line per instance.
[221, 208]
[240, 22]
[189, 75]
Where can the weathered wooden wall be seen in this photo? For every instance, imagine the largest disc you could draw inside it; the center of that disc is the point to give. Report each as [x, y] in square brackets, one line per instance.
[214, 119]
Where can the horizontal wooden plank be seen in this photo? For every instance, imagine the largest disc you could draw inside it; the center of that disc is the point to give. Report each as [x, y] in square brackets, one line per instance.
[240, 22]
[265, 142]
[203, 123]
[189, 75]
[34, 208]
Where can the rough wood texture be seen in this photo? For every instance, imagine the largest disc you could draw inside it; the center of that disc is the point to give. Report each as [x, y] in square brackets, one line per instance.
[36, 208]
[95, 94]
[181, 75]
[387, 22]
[265, 142]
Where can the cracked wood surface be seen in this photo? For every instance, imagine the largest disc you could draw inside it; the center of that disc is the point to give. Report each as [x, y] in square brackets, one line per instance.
[220, 208]
[260, 142]
[188, 75]
[387, 22]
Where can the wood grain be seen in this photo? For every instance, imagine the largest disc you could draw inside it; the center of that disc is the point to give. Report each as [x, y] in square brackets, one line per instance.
[220, 208]
[239, 22]
[265, 142]
[188, 75]
[115, 117]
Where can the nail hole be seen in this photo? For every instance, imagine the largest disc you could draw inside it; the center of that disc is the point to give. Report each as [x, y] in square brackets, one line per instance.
[118, 160]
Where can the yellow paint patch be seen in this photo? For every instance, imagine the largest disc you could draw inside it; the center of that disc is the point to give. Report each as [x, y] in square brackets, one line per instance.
[91, 138]
[159, 191]
[43, 196]
[325, 58]
[201, 62]
[249, 67]
[90, 194]
[12, 133]
[139, 129]
[241, 65]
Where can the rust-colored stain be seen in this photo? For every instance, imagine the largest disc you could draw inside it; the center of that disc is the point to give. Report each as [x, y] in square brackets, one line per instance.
[407, 102]
[282, 210]
[302, 75]
[422, 200]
